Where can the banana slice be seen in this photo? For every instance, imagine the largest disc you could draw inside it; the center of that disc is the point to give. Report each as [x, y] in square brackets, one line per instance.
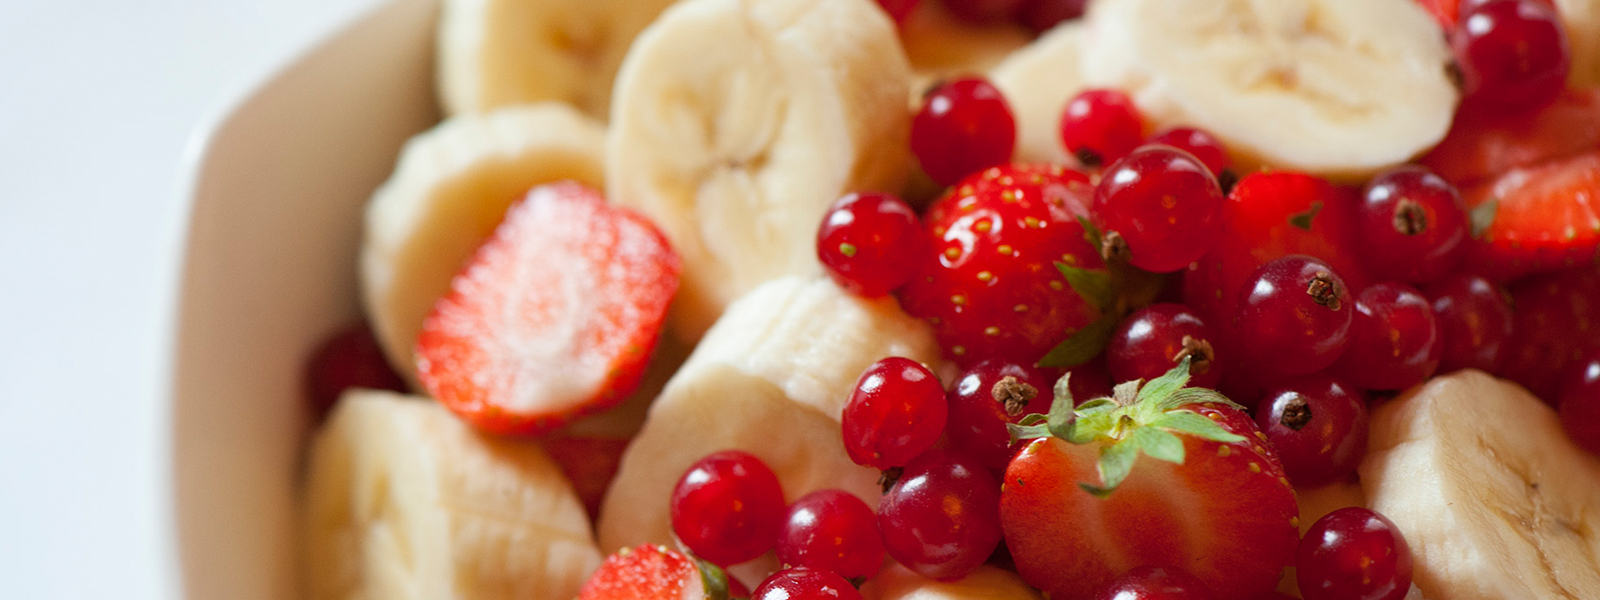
[1336, 87]
[450, 189]
[770, 378]
[1037, 81]
[404, 501]
[896, 582]
[1494, 500]
[940, 46]
[495, 53]
[737, 123]
[1582, 20]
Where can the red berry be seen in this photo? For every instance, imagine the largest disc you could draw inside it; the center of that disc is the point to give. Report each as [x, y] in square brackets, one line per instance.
[1318, 425]
[1198, 142]
[1555, 321]
[1154, 339]
[1412, 225]
[1513, 54]
[1541, 219]
[988, 283]
[985, 398]
[1394, 340]
[1579, 404]
[1484, 143]
[1161, 205]
[899, 10]
[1294, 316]
[895, 412]
[1353, 554]
[645, 572]
[800, 583]
[1155, 583]
[728, 507]
[1474, 323]
[350, 358]
[831, 530]
[870, 242]
[1040, 15]
[983, 12]
[941, 519]
[964, 127]
[1101, 126]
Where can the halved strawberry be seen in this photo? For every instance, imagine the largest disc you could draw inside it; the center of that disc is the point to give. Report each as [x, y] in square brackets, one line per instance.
[554, 317]
[1482, 144]
[652, 572]
[1535, 219]
[1446, 12]
[1079, 507]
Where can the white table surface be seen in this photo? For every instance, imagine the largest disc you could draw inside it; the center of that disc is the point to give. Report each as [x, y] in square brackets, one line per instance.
[99, 100]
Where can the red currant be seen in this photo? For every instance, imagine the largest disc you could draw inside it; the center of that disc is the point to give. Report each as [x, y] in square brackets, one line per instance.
[1294, 315]
[1156, 583]
[941, 519]
[1412, 225]
[1513, 54]
[831, 530]
[1353, 554]
[1154, 339]
[985, 398]
[727, 508]
[1198, 142]
[1579, 404]
[895, 412]
[1474, 323]
[1318, 425]
[869, 243]
[348, 359]
[964, 127]
[1556, 318]
[1394, 341]
[983, 12]
[800, 583]
[1160, 205]
[1101, 126]
[1040, 15]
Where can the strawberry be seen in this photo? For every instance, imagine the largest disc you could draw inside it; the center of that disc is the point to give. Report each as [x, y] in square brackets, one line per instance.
[651, 572]
[1446, 12]
[554, 317]
[989, 283]
[1555, 322]
[1535, 219]
[1482, 144]
[1080, 507]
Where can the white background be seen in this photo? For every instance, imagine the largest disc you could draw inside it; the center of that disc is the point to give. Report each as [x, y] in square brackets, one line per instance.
[99, 100]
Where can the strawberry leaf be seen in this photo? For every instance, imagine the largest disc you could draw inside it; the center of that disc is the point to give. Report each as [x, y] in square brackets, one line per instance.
[1161, 388]
[1195, 424]
[1158, 444]
[1083, 346]
[1094, 422]
[1483, 217]
[1026, 432]
[1093, 285]
[1187, 396]
[1116, 461]
[1062, 389]
[1091, 233]
[714, 579]
[1062, 419]
[1302, 220]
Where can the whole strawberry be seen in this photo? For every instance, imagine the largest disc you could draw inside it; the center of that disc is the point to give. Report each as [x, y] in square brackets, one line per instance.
[990, 283]
[1079, 506]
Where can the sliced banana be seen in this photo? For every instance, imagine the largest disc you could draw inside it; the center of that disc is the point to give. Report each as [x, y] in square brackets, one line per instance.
[450, 189]
[495, 53]
[1494, 500]
[1582, 20]
[1037, 81]
[941, 46]
[404, 501]
[1335, 87]
[737, 123]
[770, 378]
[896, 582]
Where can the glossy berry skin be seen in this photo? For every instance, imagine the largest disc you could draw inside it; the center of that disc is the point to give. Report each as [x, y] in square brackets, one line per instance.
[800, 583]
[1353, 554]
[964, 126]
[1318, 425]
[1155, 583]
[1413, 224]
[1154, 339]
[1579, 403]
[1394, 340]
[979, 413]
[1101, 126]
[1197, 142]
[869, 243]
[1040, 15]
[350, 358]
[1474, 322]
[831, 530]
[728, 507]
[941, 519]
[1163, 204]
[1555, 323]
[988, 282]
[895, 412]
[1513, 54]
[1294, 315]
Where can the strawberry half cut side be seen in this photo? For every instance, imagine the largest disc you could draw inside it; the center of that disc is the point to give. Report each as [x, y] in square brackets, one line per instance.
[1536, 219]
[651, 572]
[1079, 506]
[554, 317]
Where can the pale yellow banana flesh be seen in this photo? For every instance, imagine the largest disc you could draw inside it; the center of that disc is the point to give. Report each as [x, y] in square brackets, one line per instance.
[1038, 81]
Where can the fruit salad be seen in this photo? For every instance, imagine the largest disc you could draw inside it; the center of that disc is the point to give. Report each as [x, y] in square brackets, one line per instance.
[978, 299]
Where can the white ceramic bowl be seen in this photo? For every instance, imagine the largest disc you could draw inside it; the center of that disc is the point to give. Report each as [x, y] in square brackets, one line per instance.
[270, 268]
